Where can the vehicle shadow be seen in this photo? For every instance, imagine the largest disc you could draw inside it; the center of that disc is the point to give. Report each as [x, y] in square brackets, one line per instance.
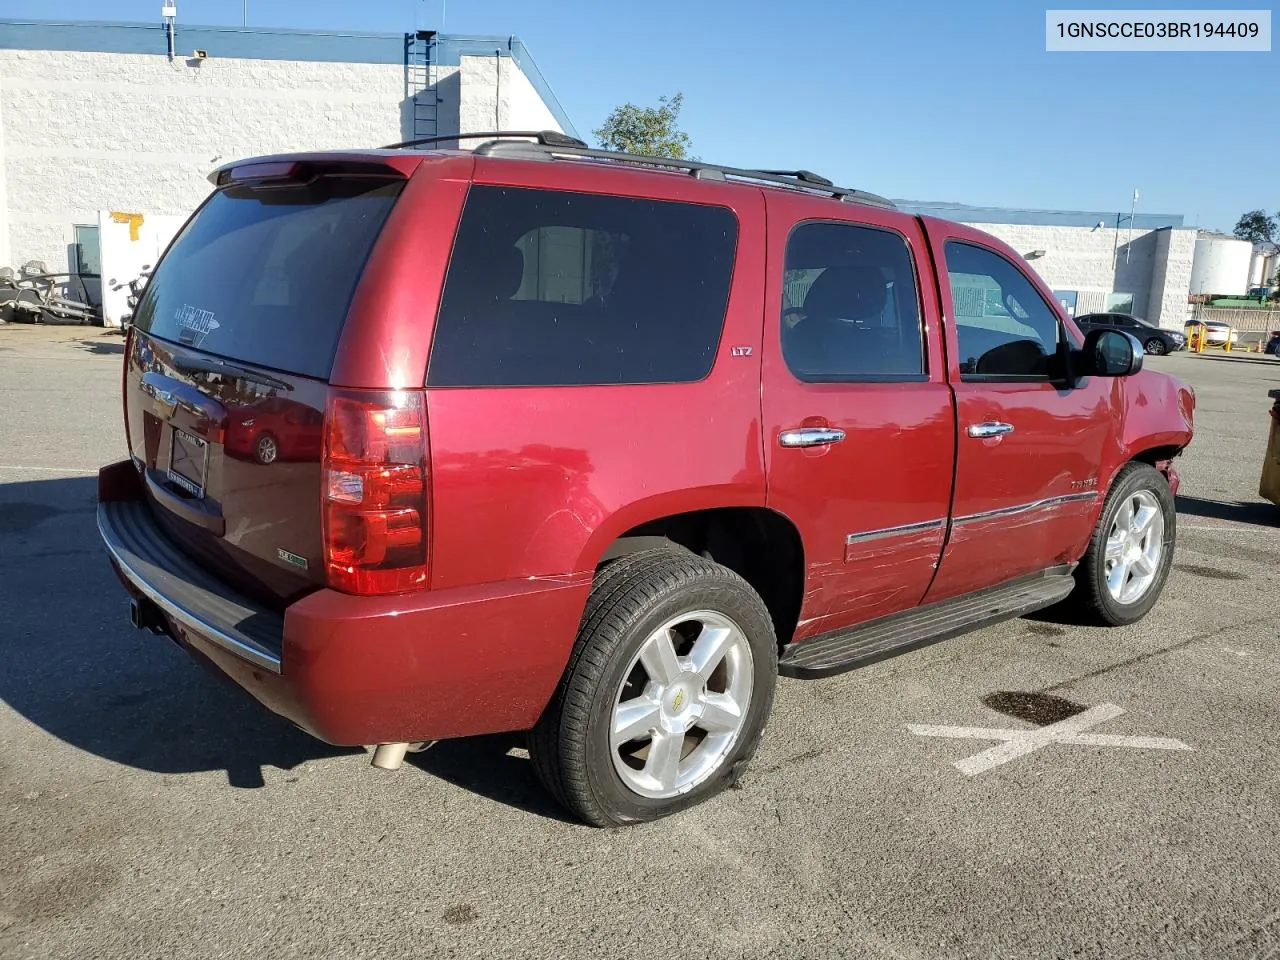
[73, 665]
[496, 767]
[1256, 512]
[100, 348]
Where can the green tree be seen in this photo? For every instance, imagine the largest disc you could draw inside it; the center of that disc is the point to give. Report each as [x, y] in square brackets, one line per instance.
[646, 131]
[1256, 227]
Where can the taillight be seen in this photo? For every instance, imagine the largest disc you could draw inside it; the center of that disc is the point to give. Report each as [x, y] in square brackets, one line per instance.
[375, 493]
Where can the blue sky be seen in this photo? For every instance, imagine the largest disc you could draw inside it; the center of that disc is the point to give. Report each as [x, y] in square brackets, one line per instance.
[925, 100]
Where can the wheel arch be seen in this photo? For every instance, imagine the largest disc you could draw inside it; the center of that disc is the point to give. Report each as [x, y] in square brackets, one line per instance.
[762, 546]
[1157, 424]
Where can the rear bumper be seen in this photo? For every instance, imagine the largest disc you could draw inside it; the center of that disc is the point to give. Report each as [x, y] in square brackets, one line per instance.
[188, 597]
[356, 670]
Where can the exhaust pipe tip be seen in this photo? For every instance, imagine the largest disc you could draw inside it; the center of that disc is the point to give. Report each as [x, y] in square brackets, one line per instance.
[389, 756]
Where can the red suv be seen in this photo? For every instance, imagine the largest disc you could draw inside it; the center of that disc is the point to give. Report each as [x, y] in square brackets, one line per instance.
[603, 444]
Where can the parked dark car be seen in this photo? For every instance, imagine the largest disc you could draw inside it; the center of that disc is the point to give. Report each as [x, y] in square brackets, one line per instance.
[1273, 345]
[1154, 340]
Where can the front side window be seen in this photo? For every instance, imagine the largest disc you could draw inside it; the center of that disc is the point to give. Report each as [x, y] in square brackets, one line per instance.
[553, 288]
[849, 305]
[1004, 329]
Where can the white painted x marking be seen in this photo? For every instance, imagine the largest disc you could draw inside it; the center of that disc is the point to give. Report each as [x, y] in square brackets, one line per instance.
[1019, 743]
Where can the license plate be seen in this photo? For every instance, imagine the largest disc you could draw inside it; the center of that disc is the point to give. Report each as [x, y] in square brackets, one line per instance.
[189, 462]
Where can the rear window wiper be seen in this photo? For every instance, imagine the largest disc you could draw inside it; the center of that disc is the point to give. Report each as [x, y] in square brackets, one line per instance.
[231, 369]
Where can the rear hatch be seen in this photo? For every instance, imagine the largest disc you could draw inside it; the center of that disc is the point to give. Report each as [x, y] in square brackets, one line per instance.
[226, 378]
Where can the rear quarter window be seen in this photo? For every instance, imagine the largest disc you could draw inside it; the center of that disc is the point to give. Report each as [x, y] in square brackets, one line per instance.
[266, 276]
[550, 288]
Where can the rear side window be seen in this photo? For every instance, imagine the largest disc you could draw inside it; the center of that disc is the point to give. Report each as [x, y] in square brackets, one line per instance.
[849, 306]
[553, 288]
[266, 276]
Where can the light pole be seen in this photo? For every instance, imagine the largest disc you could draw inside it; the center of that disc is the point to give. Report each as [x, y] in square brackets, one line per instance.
[1115, 241]
[1133, 205]
[1120, 218]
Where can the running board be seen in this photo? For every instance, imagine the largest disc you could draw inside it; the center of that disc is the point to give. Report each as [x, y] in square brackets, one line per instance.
[885, 637]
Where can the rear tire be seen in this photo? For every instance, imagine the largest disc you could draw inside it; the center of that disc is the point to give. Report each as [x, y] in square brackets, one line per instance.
[1127, 563]
[691, 721]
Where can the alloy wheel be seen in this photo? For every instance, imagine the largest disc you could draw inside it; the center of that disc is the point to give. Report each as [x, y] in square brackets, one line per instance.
[1135, 546]
[682, 704]
[267, 449]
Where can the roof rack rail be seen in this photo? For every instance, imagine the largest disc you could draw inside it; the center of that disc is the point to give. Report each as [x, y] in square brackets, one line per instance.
[545, 138]
[802, 180]
[805, 176]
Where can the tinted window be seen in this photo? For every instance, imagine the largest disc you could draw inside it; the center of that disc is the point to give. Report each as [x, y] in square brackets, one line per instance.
[849, 305]
[267, 276]
[549, 287]
[1003, 327]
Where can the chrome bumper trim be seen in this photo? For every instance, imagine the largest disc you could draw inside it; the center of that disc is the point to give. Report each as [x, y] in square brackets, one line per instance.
[216, 635]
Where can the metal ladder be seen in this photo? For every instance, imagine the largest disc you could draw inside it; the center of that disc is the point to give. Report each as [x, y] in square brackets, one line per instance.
[420, 82]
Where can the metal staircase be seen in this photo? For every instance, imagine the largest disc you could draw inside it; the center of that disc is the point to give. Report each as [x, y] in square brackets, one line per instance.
[420, 78]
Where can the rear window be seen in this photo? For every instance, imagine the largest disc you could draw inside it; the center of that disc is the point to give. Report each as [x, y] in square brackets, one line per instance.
[267, 276]
[558, 288]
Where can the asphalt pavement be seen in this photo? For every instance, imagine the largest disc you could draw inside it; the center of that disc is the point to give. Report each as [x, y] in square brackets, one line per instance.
[1130, 807]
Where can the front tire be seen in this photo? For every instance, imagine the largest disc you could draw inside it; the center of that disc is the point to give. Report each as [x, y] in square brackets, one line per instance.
[1155, 346]
[1127, 563]
[666, 694]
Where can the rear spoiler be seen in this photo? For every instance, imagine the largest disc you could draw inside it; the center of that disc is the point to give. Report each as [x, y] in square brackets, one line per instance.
[303, 167]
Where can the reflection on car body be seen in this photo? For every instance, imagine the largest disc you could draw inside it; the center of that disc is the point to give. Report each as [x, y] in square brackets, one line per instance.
[274, 428]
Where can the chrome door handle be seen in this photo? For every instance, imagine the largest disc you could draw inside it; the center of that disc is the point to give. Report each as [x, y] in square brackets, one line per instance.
[992, 428]
[810, 436]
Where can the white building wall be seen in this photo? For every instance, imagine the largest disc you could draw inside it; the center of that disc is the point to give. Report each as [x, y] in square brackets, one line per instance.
[1172, 309]
[91, 131]
[1160, 274]
[1090, 261]
[495, 94]
[83, 132]
[5, 259]
[1099, 261]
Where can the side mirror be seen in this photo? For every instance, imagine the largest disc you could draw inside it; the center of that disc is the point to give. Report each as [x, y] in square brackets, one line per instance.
[1110, 353]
